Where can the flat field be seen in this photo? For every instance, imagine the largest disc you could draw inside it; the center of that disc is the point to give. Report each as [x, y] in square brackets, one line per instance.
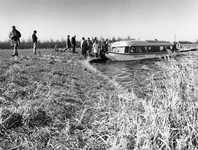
[57, 100]
[4, 54]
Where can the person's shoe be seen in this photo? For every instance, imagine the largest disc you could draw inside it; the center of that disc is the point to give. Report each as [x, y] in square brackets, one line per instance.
[13, 55]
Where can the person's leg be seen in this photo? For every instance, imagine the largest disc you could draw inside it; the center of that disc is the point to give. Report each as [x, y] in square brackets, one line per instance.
[17, 51]
[73, 49]
[82, 52]
[34, 48]
[66, 48]
[15, 45]
[85, 54]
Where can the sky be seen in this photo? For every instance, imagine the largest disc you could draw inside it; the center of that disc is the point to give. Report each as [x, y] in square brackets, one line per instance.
[140, 19]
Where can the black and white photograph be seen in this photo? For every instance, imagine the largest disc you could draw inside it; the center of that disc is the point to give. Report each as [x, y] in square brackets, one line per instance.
[98, 74]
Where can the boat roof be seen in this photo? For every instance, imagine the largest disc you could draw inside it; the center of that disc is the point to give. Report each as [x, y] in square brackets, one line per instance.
[141, 43]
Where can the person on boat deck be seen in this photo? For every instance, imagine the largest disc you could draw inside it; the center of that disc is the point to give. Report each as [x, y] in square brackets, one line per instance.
[95, 48]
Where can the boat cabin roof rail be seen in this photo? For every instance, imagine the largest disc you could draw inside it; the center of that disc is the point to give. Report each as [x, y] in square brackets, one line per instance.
[141, 43]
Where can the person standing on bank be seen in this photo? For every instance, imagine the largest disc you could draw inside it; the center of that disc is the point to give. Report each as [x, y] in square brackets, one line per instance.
[34, 40]
[15, 40]
[81, 44]
[95, 48]
[68, 43]
[73, 43]
[84, 48]
[89, 46]
[106, 46]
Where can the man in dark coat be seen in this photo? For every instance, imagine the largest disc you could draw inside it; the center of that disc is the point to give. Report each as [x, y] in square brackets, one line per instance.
[34, 40]
[68, 43]
[84, 48]
[15, 40]
[73, 43]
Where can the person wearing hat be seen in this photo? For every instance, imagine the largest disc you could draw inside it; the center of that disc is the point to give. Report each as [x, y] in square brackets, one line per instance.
[15, 40]
[34, 40]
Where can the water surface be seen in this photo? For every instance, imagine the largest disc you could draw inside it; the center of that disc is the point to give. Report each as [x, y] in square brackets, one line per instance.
[138, 75]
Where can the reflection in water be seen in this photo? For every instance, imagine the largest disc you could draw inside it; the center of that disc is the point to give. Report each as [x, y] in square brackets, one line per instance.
[136, 75]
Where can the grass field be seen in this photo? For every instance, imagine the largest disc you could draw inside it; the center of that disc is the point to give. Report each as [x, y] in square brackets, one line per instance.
[25, 52]
[59, 101]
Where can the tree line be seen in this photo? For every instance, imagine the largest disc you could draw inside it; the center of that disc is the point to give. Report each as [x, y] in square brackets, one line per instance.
[62, 43]
[27, 44]
[41, 45]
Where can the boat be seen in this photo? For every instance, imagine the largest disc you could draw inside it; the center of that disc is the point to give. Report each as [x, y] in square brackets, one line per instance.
[139, 49]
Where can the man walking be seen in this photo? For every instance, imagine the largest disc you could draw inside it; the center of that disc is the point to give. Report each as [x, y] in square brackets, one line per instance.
[73, 43]
[34, 40]
[15, 40]
[68, 43]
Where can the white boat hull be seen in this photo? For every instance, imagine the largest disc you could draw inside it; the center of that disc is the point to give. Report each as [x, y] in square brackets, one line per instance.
[137, 56]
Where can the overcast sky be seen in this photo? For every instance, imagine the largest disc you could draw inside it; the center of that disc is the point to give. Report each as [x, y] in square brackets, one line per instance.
[145, 19]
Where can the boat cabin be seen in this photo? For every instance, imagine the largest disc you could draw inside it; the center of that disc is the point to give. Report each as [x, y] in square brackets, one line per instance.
[136, 46]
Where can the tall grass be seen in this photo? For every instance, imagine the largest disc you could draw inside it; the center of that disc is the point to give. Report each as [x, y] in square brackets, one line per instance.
[61, 102]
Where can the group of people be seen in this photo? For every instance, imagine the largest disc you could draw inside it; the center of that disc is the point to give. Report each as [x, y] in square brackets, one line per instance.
[89, 47]
[71, 44]
[15, 36]
[94, 47]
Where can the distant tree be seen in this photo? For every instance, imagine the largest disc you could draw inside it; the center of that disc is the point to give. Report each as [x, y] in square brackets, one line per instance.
[27, 44]
[119, 39]
[197, 41]
[128, 37]
[113, 39]
[101, 38]
[5, 44]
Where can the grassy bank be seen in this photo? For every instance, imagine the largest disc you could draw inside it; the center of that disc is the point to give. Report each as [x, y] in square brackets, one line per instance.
[61, 102]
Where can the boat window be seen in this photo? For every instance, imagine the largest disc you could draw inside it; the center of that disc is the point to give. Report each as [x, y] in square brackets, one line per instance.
[169, 47]
[156, 49]
[127, 49]
[132, 49]
[139, 49]
[149, 48]
[144, 49]
[161, 48]
[118, 49]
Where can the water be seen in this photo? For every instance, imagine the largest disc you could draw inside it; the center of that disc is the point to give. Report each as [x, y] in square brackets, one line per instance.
[138, 75]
